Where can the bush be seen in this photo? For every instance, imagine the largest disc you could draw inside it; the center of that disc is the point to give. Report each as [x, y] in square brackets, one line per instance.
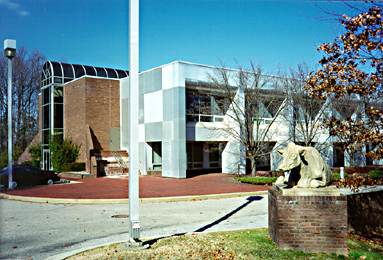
[73, 167]
[35, 151]
[376, 174]
[16, 151]
[63, 151]
[336, 175]
[257, 180]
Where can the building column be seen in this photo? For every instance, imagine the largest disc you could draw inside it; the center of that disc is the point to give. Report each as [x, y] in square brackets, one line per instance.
[231, 157]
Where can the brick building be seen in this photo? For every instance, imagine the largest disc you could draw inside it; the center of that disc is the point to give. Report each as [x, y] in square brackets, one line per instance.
[82, 103]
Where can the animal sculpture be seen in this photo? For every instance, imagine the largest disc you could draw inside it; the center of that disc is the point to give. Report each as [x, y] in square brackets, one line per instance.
[305, 167]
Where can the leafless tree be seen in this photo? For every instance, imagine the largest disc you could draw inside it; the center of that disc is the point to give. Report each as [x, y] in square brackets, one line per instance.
[249, 103]
[25, 89]
[307, 113]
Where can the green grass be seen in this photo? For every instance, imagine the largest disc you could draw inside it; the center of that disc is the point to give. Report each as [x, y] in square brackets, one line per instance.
[244, 244]
[257, 180]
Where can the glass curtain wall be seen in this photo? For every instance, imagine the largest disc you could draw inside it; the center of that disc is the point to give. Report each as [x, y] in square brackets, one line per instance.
[52, 108]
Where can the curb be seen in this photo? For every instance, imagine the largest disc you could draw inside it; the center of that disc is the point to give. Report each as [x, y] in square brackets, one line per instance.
[126, 201]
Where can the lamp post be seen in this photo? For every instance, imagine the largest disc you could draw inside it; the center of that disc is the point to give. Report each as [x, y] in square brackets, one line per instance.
[10, 52]
[134, 242]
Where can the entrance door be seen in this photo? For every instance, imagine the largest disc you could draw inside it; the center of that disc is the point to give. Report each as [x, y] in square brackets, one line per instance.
[46, 159]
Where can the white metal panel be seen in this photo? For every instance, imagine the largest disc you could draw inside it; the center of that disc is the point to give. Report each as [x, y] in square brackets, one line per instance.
[153, 111]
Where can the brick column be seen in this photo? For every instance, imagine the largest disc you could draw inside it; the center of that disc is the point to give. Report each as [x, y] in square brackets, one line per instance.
[308, 223]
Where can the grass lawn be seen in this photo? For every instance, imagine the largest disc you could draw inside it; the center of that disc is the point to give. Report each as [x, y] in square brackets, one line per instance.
[257, 180]
[244, 244]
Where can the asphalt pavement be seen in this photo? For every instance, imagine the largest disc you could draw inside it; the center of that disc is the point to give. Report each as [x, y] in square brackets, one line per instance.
[63, 226]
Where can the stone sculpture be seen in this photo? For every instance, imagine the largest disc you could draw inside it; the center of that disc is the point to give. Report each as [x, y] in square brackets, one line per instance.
[305, 167]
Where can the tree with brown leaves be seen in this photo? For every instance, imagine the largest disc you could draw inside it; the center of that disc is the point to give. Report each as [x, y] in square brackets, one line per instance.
[352, 69]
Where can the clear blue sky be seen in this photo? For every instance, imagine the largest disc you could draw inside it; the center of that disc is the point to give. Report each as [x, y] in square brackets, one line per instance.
[95, 32]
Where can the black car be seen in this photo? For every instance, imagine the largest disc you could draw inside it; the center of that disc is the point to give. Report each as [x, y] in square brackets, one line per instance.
[27, 175]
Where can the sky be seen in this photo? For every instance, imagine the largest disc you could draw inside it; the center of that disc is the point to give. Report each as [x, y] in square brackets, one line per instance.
[95, 32]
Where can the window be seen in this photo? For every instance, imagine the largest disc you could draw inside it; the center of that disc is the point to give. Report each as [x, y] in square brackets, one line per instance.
[214, 158]
[157, 156]
[101, 72]
[46, 95]
[79, 71]
[205, 108]
[111, 73]
[194, 152]
[90, 70]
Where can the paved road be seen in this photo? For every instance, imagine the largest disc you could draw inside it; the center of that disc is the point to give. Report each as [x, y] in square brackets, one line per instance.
[37, 231]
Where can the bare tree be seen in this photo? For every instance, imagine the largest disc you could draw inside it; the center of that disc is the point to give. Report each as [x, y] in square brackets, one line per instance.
[307, 113]
[25, 89]
[249, 104]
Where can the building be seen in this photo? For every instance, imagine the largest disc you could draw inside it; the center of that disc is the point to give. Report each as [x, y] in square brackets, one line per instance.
[81, 102]
[175, 140]
[90, 105]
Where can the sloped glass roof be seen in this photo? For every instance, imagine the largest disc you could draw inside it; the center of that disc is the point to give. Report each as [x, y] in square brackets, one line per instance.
[60, 73]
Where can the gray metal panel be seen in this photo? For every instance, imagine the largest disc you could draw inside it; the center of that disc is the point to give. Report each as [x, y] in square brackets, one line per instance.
[141, 114]
[148, 82]
[179, 159]
[141, 84]
[124, 112]
[114, 138]
[167, 130]
[168, 106]
[157, 79]
[174, 163]
[167, 157]
[142, 158]
[174, 103]
[153, 132]
[179, 103]
[179, 130]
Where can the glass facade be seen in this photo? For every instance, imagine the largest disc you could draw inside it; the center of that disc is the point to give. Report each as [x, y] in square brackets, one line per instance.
[53, 78]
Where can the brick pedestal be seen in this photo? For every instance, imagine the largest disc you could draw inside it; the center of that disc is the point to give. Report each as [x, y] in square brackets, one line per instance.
[308, 223]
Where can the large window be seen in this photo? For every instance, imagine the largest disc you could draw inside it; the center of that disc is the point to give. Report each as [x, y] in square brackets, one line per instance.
[204, 108]
[194, 153]
[203, 155]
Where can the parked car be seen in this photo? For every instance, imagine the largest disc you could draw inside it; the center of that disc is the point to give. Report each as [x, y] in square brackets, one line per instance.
[27, 175]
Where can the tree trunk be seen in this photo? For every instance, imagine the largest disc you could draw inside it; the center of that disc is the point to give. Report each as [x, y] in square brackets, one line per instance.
[352, 160]
[253, 167]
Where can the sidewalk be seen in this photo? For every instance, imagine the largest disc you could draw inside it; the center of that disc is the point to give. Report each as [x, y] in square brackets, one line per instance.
[150, 187]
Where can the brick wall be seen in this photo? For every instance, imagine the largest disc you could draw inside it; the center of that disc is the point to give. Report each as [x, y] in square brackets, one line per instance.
[91, 103]
[308, 223]
[74, 114]
[365, 213]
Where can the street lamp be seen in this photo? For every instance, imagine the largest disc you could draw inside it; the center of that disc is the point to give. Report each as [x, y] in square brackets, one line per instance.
[10, 53]
[134, 242]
